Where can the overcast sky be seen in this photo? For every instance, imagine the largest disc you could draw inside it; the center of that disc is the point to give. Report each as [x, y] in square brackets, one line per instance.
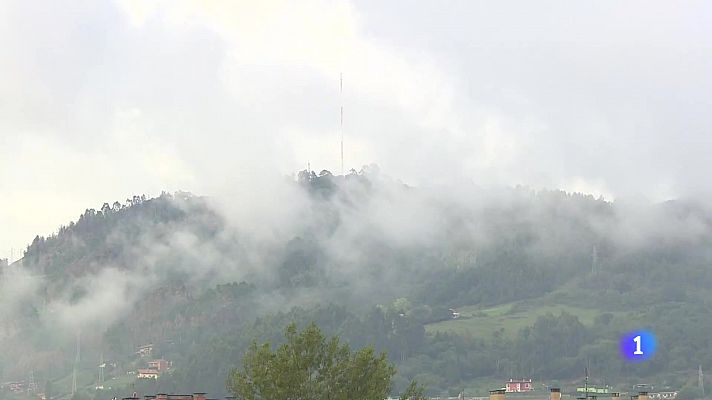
[102, 100]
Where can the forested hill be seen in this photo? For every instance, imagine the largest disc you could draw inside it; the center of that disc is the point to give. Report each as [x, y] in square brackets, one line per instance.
[543, 283]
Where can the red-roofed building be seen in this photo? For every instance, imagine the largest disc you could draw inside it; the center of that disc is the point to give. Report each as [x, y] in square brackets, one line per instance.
[160, 365]
[519, 385]
[163, 396]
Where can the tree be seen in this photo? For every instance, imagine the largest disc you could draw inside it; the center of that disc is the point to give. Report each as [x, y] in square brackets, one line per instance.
[310, 366]
[414, 391]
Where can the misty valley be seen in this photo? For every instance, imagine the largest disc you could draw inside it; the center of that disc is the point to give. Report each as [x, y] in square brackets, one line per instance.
[462, 290]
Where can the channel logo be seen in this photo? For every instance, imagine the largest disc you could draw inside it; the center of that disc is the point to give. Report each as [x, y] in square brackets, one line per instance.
[637, 346]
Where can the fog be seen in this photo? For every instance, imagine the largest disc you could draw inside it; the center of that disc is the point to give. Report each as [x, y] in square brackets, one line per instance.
[352, 229]
[372, 238]
[107, 99]
[559, 127]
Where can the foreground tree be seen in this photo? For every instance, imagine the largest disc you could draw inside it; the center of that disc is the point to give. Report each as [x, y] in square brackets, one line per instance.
[310, 366]
[414, 391]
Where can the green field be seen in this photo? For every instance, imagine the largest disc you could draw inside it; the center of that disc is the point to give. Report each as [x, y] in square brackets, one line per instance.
[86, 382]
[511, 317]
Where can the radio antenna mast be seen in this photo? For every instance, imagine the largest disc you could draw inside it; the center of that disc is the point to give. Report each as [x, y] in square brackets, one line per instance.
[341, 122]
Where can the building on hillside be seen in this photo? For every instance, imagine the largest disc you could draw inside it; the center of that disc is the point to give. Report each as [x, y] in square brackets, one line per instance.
[519, 385]
[454, 314]
[662, 395]
[14, 387]
[594, 389]
[160, 365]
[148, 374]
[155, 369]
[145, 350]
[163, 396]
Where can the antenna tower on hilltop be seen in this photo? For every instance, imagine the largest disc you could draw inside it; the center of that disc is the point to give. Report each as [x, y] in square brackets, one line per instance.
[341, 122]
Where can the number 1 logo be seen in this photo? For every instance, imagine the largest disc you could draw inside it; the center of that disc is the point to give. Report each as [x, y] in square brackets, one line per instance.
[637, 346]
[638, 351]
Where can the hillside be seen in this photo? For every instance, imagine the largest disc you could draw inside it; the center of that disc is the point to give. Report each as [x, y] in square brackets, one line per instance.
[544, 282]
[509, 318]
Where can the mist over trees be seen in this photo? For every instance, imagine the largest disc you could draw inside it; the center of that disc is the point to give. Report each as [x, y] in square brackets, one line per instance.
[310, 366]
[374, 261]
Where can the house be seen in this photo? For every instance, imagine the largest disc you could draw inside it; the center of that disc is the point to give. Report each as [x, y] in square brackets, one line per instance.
[454, 314]
[148, 374]
[663, 395]
[145, 350]
[593, 389]
[155, 369]
[15, 387]
[519, 385]
[163, 396]
[160, 365]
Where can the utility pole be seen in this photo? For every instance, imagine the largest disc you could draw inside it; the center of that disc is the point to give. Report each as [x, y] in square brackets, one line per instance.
[102, 365]
[76, 365]
[31, 385]
[701, 381]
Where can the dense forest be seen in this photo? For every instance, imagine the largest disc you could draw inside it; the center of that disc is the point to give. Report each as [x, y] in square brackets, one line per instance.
[463, 288]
